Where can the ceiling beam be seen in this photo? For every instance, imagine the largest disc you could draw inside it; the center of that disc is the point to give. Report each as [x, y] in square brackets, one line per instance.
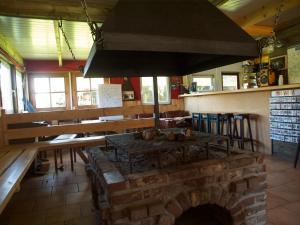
[6, 45]
[259, 31]
[54, 9]
[58, 42]
[267, 11]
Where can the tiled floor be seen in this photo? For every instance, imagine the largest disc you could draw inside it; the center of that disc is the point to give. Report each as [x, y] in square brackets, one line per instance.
[65, 198]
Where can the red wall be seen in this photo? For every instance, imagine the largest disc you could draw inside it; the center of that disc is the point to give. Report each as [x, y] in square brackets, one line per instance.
[72, 66]
[52, 66]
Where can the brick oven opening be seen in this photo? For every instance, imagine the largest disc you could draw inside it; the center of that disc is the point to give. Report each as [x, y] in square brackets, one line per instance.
[208, 214]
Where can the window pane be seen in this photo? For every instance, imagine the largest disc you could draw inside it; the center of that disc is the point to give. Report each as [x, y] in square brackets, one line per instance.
[163, 89]
[95, 82]
[6, 88]
[83, 84]
[230, 82]
[58, 100]
[93, 97]
[84, 98]
[20, 91]
[42, 100]
[57, 84]
[204, 83]
[41, 84]
[147, 90]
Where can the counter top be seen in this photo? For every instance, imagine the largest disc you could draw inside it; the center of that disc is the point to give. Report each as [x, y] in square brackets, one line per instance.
[270, 88]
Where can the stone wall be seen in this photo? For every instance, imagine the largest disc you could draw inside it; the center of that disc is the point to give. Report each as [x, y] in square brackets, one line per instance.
[237, 183]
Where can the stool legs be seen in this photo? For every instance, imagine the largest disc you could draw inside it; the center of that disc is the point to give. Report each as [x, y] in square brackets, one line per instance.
[250, 134]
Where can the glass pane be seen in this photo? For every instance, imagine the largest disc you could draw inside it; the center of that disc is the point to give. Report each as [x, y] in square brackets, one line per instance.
[83, 84]
[19, 91]
[204, 83]
[93, 97]
[42, 101]
[163, 89]
[58, 100]
[6, 88]
[41, 84]
[95, 82]
[147, 90]
[230, 82]
[57, 84]
[84, 98]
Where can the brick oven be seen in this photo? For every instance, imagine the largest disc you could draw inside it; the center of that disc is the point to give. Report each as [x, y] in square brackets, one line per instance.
[231, 189]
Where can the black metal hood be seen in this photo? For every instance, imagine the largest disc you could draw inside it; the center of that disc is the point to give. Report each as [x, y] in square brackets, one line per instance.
[166, 38]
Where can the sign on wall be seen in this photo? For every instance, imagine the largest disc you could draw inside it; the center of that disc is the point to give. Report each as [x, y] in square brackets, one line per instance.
[109, 96]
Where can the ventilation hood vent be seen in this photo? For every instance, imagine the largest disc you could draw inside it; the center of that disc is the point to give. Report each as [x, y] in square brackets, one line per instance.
[165, 38]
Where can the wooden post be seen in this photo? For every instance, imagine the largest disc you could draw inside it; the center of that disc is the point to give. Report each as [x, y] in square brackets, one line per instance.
[156, 103]
[3, 127]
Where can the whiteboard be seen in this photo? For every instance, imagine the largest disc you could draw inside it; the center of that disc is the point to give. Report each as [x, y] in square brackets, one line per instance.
[109, 96]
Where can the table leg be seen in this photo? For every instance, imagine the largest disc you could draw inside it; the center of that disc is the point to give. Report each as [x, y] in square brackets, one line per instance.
[71, 158]
[75, 160]
[207, 149]
[55, 160]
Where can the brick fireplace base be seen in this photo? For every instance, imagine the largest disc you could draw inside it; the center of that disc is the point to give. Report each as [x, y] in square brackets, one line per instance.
[236, 183]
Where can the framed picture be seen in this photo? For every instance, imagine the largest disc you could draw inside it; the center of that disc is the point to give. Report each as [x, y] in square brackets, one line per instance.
[278, 63]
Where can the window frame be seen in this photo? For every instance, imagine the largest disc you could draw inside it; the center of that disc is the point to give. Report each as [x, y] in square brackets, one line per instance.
[160, 103]
[237, 74]
[212, 77]
[74, 91]
[49, 75]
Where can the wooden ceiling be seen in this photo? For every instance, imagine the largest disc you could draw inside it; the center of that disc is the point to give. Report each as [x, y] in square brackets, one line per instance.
[255, 16]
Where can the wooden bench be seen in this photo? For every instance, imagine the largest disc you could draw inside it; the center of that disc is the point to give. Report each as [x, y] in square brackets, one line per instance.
[14, 163]
[15, 160]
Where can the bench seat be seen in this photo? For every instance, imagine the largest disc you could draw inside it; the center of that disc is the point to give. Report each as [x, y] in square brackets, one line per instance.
[14, 163]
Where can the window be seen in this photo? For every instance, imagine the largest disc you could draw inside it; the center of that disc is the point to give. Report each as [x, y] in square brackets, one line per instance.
[49, 91]
[6, 87]
[163, 90]
[20, 95]
[86, 90]
[204, 83]
[230, 81]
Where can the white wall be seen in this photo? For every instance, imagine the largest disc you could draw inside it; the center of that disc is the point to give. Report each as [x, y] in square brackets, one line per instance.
[237, 68]
[294, 64]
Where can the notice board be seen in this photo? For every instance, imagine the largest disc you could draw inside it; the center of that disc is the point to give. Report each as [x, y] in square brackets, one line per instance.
[109, 96]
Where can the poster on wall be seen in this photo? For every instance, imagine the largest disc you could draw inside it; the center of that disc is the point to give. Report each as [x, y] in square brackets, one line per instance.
[109, 96]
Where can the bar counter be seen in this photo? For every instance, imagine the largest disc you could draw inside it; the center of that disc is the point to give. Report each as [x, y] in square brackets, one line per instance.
[253, 101]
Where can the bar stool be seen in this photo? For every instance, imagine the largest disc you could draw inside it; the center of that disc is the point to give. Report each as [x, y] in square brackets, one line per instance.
[226, 119]
[214, 118]
[201, 118]
[239, 136]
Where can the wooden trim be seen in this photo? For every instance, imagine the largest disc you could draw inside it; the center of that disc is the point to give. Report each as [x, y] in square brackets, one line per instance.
[76, 114]
[49, 75]
[118, 126]
[4, 127]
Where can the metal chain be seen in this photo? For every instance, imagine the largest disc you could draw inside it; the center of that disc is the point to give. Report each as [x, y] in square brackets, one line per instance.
[277, 15]
[93, 26]
[60, 25]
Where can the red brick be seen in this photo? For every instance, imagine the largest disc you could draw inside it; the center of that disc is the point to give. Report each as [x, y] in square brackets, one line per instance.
[166, 220]
[127, 198]
[155, 209]
[138, 213]
[239, 186]
[184, 201]
[174, 208]
[149, 180]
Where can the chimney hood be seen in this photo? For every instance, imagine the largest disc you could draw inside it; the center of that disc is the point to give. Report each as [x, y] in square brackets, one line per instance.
[166, 38]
